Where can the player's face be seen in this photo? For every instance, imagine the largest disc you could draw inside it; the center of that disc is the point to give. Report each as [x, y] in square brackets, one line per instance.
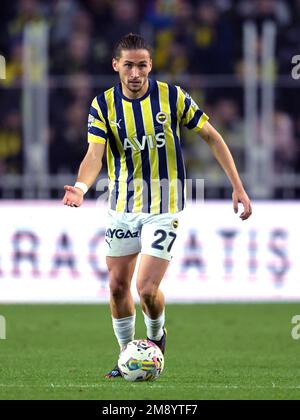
[133, 67]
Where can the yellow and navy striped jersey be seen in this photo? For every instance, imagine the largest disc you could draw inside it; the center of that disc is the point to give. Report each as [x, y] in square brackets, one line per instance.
[142, 136]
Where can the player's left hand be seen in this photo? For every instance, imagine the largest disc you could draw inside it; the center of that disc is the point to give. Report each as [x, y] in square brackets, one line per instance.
[242, 197]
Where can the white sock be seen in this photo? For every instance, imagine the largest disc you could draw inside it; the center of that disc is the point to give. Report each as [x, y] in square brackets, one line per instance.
[155, 326]
[124, 329]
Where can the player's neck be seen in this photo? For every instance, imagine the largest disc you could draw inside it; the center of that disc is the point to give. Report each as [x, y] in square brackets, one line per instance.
[135, 95]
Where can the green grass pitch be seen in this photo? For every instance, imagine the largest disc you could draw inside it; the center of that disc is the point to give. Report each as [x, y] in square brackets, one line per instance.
[222, 351]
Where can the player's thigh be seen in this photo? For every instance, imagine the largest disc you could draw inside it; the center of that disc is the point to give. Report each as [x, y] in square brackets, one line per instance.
[120, 271]
[150, 274]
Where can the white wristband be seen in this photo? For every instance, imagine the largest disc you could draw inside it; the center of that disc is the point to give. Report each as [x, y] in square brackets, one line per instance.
[82, 186]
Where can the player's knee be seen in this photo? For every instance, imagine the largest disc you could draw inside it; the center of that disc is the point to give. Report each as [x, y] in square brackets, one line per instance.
[147, 294]
[118, 290]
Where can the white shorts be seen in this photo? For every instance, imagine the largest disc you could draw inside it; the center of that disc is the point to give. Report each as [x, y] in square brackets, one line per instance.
[131, 233]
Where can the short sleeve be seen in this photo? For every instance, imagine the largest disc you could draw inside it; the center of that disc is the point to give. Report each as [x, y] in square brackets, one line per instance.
[97, 130]
[191, 116]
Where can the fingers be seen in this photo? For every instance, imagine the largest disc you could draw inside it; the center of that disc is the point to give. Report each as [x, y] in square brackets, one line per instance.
[65, 200]
[235, 204]
[69, 201]
[247, 211]
[244, 199]
[70, 204]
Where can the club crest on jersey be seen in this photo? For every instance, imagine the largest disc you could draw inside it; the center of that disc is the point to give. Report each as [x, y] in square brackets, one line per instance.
[175, 223]
[161, 117]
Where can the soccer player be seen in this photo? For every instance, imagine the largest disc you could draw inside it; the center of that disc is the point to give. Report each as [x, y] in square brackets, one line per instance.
[138, 122]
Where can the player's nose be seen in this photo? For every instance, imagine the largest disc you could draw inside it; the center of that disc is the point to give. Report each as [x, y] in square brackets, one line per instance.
[134, 73]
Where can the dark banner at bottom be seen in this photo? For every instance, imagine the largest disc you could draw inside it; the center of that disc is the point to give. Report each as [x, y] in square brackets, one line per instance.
[101, 409]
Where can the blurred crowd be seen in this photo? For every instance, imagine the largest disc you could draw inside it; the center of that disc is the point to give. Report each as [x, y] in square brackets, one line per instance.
[193, 40]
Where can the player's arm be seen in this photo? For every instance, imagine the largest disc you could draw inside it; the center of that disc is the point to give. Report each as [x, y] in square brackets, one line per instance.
[88, 172]
[222, 153]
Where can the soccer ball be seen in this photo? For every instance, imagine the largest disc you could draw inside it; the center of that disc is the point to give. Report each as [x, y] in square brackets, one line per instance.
[141, 360]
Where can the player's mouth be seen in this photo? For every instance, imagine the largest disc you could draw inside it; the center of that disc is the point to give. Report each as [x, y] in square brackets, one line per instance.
[135, 82]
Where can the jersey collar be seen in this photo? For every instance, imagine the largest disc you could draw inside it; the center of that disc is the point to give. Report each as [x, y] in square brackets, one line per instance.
[150, 87]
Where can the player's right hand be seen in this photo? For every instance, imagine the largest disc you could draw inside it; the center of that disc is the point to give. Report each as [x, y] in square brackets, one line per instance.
[73, 196]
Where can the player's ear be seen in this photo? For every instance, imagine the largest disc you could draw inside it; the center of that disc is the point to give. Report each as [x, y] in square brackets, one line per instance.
[115, 64]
